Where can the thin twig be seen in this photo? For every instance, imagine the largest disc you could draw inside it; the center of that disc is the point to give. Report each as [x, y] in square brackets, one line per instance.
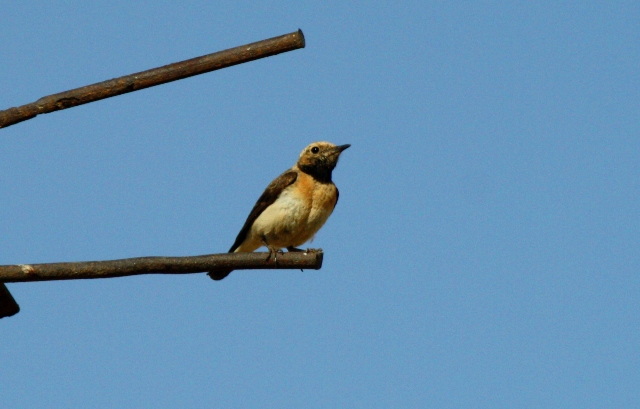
[159, 265]
[152, 77]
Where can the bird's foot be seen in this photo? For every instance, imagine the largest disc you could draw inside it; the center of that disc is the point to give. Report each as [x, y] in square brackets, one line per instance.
[273, 252]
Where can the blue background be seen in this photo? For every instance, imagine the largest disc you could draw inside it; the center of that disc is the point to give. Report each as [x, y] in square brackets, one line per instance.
[484, 253]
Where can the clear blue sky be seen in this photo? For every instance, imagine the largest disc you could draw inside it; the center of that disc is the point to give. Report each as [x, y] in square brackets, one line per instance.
[484, 253]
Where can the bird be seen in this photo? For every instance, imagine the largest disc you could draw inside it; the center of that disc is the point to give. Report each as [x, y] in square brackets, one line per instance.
[293, 207]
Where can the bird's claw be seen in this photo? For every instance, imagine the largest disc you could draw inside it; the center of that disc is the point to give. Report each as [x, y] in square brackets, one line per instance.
[273, 251]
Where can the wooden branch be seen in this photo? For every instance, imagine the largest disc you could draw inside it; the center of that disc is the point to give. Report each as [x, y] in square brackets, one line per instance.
[152, 77]
[8, 306]
[159, 265]
[312, 259]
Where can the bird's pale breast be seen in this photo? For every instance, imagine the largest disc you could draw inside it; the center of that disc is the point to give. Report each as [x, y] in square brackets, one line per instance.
[295, 217]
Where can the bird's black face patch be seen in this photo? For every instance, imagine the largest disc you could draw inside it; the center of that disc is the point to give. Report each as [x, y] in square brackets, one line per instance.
[319, 159]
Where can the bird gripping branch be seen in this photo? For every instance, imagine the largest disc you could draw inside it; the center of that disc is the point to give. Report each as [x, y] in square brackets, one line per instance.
[293, 207]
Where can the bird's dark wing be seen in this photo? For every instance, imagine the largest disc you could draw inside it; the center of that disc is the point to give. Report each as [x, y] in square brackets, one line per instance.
[337, 197]
[269, 196]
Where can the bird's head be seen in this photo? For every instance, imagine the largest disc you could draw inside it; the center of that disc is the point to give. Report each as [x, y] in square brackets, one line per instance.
[320, 158]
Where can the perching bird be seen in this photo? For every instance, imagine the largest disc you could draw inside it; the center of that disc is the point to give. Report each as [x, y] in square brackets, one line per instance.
[293, 207]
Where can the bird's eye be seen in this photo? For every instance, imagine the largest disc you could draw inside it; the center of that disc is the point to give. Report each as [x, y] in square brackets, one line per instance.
[315, 149]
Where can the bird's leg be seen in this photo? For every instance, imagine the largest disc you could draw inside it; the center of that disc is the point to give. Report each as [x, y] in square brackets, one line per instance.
[273, 251]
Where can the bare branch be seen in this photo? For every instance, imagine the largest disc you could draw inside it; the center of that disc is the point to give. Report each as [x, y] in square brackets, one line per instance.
[152, 77]
[159, 265]
[312, 259]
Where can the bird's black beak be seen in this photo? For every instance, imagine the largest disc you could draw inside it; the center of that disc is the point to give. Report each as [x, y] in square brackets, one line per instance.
[341, 147]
